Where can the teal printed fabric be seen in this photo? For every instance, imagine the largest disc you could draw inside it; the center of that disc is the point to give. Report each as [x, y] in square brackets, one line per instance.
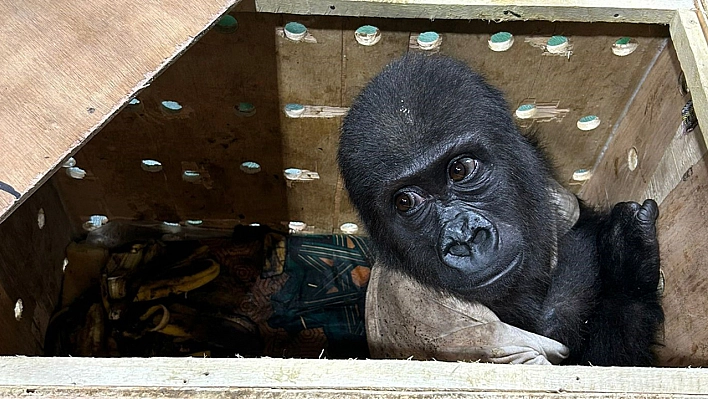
[325, 291]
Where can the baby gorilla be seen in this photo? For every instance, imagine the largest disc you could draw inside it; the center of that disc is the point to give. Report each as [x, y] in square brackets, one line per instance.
[453, 195]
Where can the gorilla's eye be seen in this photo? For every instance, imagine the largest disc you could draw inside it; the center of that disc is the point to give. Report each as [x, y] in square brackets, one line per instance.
[461, 168]
[407, 200]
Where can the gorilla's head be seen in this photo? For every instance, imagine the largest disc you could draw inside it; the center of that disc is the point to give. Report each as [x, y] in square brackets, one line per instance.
[446, 186]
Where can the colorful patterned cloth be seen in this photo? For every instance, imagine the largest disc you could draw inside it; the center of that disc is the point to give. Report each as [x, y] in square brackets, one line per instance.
[324, 294]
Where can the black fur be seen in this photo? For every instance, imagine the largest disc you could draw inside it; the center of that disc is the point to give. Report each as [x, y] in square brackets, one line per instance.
[489, 236]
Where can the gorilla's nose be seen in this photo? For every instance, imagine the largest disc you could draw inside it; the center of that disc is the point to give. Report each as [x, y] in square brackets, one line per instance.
[468, 235]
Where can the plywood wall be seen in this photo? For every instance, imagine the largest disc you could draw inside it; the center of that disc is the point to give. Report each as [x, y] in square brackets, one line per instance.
[32, 250]
[257, 65]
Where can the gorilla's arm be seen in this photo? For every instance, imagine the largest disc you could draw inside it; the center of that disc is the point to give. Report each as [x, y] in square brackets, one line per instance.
[575, 286]
[602, 301]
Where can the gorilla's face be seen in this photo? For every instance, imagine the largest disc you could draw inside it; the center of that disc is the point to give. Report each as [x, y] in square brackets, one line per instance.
[456, 220]
[448, 189]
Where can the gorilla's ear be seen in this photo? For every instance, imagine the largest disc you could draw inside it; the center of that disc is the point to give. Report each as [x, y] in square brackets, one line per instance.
[566, 205]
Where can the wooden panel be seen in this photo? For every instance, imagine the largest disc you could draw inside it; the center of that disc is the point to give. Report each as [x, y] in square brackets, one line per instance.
[644, 11]
[209, 81]
[593, 81]
[31, 263]
[311, 74]
[68, 67]
[684, 256]
[649, 125]
[279, 378]
[683, 152]
[689, 31]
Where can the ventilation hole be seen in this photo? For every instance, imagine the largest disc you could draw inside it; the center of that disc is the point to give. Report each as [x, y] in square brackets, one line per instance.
[135, 105]
[294, 110]
[19, 308]
[632, 159]
[332, 7]
[171, 106]
[150, 165]
[245, 109]
[297, 226]
[582, 175]
[501, 41]
[616, 15]
[194, 222]
[71, 162]
[300, 174]
[429, 40]
[76, 173]
[588, 122]
[171, 227]
[250, 167]
[557, 44]
[295, 31]
[349, 228]
[95, 221]
[367, 35]
[624, 46]
[526, 111]
[292, 173]
[191, 176]
[227, 24]
[40, 218]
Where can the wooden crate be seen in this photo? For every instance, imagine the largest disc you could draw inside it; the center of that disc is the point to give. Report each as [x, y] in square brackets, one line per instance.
[70, 70]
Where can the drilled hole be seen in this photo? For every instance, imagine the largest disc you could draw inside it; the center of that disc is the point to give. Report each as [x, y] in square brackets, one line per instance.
[245, 109]
[582, 174]
[150, 165]
[19, 308]
[40, 218]
[588, 122]
[296, 226]
[95, 221]
[367, 35]
[71, 162]
[295, 31]
[429, 40]
[250, 167]
[76, 173]
[349, 228]
[632, 158]
[227, 24]
[171, 106]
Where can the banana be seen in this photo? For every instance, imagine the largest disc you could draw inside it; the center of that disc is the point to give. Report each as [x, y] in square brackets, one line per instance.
[179, 284]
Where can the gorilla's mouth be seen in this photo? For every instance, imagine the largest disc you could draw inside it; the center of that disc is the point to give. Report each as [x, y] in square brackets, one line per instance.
[483, 275]
[514, 262]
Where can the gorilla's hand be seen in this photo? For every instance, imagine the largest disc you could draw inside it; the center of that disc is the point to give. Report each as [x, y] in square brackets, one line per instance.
[629, 248]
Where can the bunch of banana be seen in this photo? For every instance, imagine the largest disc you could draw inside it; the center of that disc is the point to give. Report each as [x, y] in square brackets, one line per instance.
[124, 282]
[179, 280]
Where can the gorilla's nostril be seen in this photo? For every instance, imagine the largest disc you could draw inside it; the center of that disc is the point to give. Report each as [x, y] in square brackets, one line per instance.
[480, 236]
[460, 250]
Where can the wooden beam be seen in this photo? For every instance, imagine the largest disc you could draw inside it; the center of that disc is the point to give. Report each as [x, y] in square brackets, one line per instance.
[68, 67]
[211, 378]
[691, 45]
[639, 11]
